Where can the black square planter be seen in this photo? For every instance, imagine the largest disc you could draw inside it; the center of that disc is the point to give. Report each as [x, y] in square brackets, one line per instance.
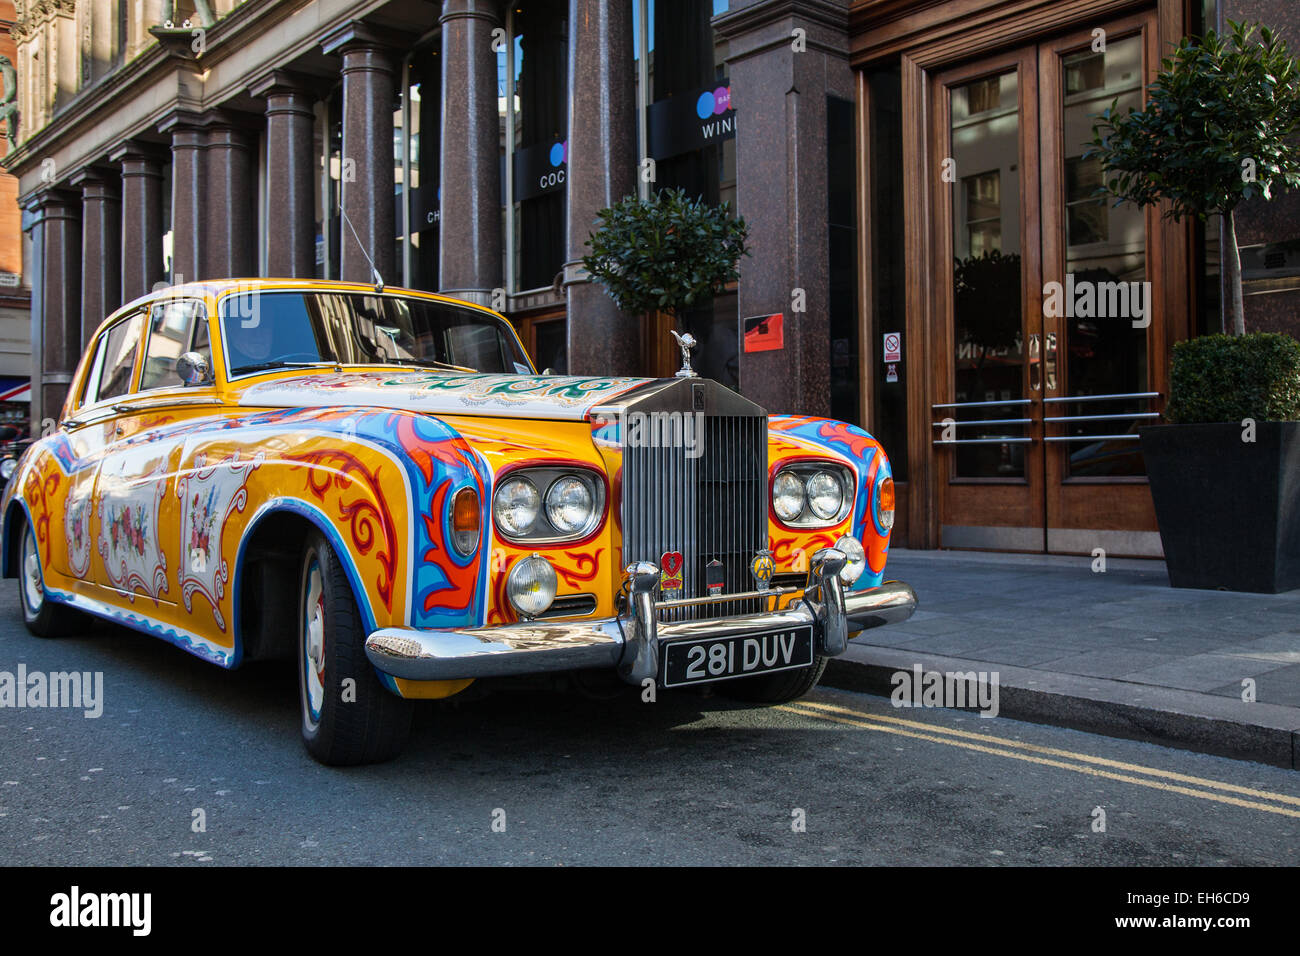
[1228, 509]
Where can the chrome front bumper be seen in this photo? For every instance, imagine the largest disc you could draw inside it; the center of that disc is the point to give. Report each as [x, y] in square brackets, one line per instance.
[632, 642]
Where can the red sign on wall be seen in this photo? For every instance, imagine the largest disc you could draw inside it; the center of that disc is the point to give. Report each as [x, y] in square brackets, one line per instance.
[763, 333]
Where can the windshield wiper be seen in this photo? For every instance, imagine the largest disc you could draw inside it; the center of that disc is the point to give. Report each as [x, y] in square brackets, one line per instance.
[278, 363]
[423, 363]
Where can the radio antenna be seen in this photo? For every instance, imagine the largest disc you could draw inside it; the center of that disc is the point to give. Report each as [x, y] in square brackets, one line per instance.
[374, 273]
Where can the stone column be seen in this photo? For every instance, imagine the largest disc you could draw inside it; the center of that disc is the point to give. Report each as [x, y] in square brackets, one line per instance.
[781, 159]
[602, 170]
[142, 219]
[101, 248]
[229, 209]
[56, 300]
[368, 182]
[290, 176]
[470, 183]
[188, 192]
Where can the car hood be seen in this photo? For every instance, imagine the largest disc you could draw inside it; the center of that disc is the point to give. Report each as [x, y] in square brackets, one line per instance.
[445, 393]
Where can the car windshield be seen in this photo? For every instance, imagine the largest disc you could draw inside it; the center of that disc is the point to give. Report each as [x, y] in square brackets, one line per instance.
[264, 330]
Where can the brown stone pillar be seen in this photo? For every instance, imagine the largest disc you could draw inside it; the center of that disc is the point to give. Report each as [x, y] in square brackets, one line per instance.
[56, 301]
[229, 208]
[142, 219]
[290, 176]
[368, 183]
[779, 94]
[101, 248]
[602, 170]
[470, 184]
[188, 193]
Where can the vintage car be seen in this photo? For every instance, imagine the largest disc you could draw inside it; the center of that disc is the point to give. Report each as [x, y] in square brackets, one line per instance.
[379, 483]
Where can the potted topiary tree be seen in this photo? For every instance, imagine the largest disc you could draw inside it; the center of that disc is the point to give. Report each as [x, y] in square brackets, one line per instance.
[665, 254]
[1218, 128]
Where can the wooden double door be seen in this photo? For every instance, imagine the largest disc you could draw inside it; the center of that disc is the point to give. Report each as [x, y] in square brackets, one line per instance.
[1051, 307]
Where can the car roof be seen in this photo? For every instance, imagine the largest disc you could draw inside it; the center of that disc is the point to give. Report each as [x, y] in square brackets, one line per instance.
[214, 288]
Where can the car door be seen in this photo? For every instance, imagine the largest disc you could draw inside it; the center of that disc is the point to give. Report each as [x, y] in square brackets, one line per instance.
[133, 477]
[162, 425]
[90, 429]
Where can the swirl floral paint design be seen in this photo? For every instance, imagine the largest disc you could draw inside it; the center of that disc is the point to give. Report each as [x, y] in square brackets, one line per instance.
[210, 495]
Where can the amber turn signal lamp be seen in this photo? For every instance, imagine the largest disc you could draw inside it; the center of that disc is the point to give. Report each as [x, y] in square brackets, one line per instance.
[885, 504]
[465, 524]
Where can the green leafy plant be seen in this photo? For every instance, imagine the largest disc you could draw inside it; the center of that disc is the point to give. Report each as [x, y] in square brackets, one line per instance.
[667, 253]
[1218, 128]
[1224, 378]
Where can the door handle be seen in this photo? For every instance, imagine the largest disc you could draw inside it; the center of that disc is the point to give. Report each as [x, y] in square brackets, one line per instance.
[1035, 370]
[123, 409]
[1051, 361]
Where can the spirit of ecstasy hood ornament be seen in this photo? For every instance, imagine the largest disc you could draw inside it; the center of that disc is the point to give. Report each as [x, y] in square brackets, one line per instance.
[687, 342]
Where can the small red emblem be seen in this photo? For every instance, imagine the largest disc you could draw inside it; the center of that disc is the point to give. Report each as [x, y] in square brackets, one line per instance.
[670, 563]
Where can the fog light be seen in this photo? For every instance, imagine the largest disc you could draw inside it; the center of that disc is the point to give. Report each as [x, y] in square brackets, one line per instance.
[857, 559]
[531, 585]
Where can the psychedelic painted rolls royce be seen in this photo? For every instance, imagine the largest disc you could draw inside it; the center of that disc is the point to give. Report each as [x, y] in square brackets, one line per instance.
[379, 484]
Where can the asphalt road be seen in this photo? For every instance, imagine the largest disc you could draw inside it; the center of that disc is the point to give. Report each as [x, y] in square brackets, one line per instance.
[689, 779]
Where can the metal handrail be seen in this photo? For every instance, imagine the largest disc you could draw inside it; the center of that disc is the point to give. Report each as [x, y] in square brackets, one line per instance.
[1091, 438]
[1014, 401]
[1100, 418]
[1099, 398]
[983, 441]
[985, 421]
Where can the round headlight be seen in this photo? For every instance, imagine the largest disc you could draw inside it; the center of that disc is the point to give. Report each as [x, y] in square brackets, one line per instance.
[857, 558]
[8, 467]
[825, 494]
[568, 504]
[530, 586]
[787, 496]
[515, 506]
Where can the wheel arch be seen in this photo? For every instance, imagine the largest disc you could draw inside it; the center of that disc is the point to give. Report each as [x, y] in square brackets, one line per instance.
[16, 517]
[267, 560]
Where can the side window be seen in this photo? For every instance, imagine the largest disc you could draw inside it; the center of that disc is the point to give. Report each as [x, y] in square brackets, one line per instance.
[90, 395]
[121, 343]
[173, 326]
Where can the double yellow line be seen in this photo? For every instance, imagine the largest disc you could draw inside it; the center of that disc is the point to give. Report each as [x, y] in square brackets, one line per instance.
[1152, 777]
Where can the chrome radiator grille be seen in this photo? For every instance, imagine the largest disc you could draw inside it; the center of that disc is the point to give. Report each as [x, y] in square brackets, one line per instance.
[709, 507]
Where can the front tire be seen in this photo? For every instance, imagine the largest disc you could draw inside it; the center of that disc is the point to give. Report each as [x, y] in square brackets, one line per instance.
[775, 688]
[43, 617]
[348, 716]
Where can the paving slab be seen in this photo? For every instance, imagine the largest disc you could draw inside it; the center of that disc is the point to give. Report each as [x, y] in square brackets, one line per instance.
[1118, 652]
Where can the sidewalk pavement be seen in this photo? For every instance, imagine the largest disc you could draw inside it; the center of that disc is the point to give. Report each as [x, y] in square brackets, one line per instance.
[1119, 653]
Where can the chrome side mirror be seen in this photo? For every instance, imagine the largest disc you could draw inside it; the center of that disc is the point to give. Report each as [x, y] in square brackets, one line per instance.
[193, 369]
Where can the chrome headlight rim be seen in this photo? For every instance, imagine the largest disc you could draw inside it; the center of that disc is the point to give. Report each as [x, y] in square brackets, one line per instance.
[515, 481]
[799, 492]
[7, 468]
[826, 479]
[803, 470]
[544, 477]
[581, 527]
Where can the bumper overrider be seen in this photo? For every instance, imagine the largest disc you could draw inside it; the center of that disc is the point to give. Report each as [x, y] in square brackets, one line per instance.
[633, 642]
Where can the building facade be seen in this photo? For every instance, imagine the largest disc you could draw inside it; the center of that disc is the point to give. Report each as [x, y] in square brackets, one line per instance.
[15, 290]
[911, 172]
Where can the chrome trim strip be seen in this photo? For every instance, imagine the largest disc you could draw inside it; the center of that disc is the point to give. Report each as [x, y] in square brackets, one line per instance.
[539, 647]
[721, 598]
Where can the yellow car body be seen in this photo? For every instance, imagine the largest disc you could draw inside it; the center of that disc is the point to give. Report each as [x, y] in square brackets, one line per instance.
[178, 509]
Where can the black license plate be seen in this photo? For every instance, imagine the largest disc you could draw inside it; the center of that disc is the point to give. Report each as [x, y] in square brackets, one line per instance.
[722, 658]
